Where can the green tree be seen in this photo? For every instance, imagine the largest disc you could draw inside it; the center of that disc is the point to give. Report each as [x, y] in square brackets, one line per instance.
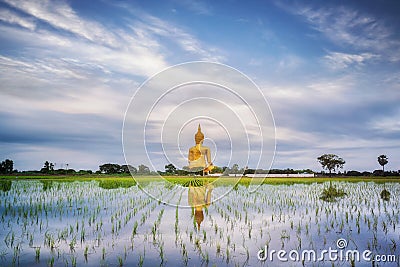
[6, 166]
[170, 168]
[143, 169]
[181, 172]
[331, 162]
[217, 170]
[128, 169]
[110, 168]
[48, 167]
[383, 160]
[235, 169]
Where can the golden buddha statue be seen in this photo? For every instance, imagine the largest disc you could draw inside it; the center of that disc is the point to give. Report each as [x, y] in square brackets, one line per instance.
[200, 156]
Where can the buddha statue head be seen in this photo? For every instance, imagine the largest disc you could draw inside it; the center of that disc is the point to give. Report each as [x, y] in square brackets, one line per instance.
[199, 216]
[199, 136]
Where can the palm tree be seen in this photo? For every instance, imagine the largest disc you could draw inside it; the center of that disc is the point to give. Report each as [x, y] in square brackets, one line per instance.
[383, 160]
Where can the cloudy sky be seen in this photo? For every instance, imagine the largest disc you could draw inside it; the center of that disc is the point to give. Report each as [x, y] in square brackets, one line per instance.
[330, 72]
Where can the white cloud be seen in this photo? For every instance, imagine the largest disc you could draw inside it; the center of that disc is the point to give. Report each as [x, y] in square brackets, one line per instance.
[195, 6]
[337, 60]
[287, 134]
[348, 27]
[289, 62]
[75, 158]
[62, 16]
[332, 89]
[255, 62]
[314, 91]
[152, 26]
[82, 75]
[135, 49]
[62, 86]
[52, 63]
[11, 17]
[390, 124]
[131, 59]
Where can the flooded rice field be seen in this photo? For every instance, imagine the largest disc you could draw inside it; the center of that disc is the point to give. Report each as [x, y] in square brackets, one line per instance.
[82, 224]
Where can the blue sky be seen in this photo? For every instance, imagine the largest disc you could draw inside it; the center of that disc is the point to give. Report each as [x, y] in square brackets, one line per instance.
[329, 70]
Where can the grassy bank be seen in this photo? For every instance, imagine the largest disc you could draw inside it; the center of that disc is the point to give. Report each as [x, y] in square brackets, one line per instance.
[183, 179]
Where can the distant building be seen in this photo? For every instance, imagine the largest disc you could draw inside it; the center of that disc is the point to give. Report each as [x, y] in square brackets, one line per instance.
[215, 174]
[270, 175]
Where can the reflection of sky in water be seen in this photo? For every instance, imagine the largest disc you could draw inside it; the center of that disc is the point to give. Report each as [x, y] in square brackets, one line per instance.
[288, 216]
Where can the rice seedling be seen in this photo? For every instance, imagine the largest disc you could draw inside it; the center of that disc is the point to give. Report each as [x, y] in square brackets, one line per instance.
[37, 254]
[86, 252]
[218, 248]
[103, 254]
[51, 262]
[141, 260]
[161, 255]
[120, 261]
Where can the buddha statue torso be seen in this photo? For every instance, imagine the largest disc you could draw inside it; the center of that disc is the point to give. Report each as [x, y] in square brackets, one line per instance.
[198, 155]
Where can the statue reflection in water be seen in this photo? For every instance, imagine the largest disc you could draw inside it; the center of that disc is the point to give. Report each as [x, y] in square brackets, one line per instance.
[199, 198]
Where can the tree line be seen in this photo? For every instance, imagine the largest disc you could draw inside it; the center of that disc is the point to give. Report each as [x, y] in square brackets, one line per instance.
[333, 163]
[330, 162]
